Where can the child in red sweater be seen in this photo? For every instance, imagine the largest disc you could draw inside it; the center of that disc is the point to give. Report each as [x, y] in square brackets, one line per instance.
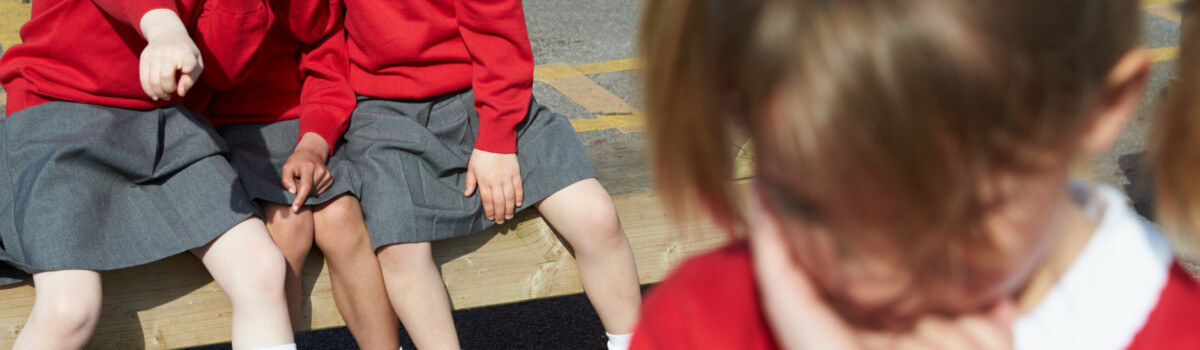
[103, 170]
[911, 186]
[448, 140]
[283, 125]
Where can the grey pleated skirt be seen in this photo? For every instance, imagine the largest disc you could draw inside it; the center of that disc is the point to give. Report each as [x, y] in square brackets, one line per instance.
[258, 152]
[101, 188]
[411, 159]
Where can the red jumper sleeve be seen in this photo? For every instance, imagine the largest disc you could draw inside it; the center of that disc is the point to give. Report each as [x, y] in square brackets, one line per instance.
[496, 38]
[326, 98]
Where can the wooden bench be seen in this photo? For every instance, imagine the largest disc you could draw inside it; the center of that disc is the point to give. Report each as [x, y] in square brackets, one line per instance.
[174, 303]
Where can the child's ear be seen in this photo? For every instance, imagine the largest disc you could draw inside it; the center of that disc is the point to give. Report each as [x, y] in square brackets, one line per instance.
[1121, 96]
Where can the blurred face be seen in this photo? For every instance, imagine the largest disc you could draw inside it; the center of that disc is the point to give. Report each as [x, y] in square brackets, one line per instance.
[872, 287]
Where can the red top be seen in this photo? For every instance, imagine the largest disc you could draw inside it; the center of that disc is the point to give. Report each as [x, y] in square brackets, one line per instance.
[711, 302]
[422, 49]
[88, 51]
[301, 74]
[1175, 322]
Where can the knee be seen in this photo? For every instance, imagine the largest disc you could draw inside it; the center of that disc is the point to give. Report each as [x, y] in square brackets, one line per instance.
[292, 233]
[343, 209]
[604, 226]
[260, 276]
[294, 247]
[73, 316]
[402, 258]
[269, 269]
[340, 229]
[337, 243]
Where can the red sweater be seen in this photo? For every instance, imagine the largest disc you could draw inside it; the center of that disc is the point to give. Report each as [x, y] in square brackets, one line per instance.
[415, 49]
[301, 73]
[711, 302]
[88, 51]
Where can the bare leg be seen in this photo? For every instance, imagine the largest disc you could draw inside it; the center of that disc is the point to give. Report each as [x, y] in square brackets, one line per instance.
[584, 214]
[293, 234]
[247, 265]
[66, 308]
[354, 274]
[418, 294]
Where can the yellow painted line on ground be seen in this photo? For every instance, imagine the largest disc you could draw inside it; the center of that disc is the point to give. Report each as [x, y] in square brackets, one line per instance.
[1164, 53]
[610, 110]
[558, 70]
[587, 93]
[13, 14]
[1168, 12]
[1152, 3]
[626, 123]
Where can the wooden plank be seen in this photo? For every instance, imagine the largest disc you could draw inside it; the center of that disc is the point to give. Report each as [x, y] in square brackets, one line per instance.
[174, 303]
[622, 167]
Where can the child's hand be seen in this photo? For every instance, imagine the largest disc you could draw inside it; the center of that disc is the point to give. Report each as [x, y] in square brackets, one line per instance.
[499, 179]
[793, 308]
[169, 49]
[800, 318]
[306, 169]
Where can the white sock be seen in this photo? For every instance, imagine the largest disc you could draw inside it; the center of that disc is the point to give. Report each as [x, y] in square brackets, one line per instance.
[618, 341]
[291, 346]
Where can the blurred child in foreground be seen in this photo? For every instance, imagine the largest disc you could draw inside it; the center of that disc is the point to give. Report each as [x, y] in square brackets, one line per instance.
[911, 187]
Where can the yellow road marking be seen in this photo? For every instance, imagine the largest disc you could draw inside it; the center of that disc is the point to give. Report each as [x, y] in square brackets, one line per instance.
[587, 93]
[13, 14]
[558, 70]
[626, 123]
[1168, 12]
[610, 110]
[1152, 3]
[1164, 53]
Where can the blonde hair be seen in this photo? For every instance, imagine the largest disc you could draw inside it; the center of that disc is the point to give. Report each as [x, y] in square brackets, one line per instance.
[1176, 152]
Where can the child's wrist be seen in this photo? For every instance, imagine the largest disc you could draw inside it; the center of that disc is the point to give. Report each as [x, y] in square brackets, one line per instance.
[159, 23]
[315, 143]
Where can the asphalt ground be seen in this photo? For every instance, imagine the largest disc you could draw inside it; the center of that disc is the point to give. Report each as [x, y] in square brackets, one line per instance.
[600, 35]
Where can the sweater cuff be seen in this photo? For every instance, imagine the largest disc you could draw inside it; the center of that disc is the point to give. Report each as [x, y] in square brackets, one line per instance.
[315, 119]
[497, 135]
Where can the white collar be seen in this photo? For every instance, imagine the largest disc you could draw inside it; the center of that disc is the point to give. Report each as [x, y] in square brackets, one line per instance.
[1105, 297]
